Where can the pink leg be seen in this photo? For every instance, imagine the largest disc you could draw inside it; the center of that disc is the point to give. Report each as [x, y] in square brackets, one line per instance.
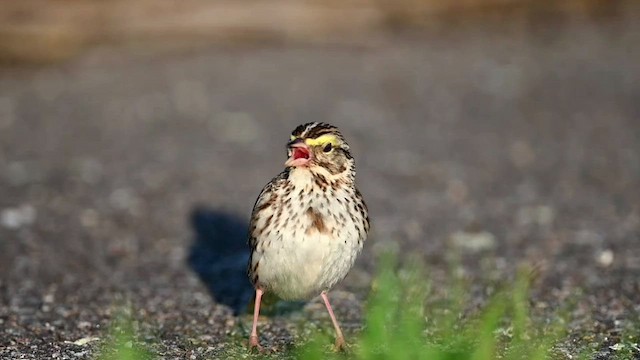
[340, 344]
[253, 339]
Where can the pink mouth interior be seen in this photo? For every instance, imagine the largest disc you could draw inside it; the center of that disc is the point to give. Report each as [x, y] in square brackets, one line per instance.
[300, 153]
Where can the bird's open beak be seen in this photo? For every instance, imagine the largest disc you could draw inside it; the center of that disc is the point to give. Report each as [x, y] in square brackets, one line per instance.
[300, 153]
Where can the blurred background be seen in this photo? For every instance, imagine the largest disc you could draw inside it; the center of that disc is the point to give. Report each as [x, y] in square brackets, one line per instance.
[136, 135]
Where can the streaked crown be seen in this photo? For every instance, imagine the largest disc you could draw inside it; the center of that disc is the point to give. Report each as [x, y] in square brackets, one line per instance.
[318, 133]
[329, 146]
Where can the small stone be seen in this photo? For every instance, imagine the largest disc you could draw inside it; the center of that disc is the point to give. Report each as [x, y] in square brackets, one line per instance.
[474, 241]
[14, 218]
[10, 218]
[605, 258]
[617, 347]
[85, 340]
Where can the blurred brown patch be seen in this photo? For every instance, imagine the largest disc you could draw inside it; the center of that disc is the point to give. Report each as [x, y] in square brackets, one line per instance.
[41, 31]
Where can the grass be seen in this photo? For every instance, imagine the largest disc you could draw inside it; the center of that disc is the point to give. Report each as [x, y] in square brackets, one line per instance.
[123, 344]
[400, 323]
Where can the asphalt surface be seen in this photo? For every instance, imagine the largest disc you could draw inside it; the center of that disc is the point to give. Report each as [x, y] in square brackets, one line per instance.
[128, 179]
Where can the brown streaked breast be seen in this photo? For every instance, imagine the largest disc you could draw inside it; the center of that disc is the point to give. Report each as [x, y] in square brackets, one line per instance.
[317, 221]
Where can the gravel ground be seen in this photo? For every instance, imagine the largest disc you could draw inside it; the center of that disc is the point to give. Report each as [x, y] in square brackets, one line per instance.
[128, 178]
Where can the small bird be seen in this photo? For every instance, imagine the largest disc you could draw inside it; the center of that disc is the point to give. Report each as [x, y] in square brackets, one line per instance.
[308, 224]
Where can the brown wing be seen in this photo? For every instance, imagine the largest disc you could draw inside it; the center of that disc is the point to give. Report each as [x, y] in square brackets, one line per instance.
[266, 198]
[364, 212]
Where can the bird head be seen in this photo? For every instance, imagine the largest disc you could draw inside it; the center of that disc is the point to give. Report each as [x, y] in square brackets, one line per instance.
[318, 144]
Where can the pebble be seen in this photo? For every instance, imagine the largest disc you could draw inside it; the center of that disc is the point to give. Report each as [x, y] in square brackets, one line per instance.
[474, 241]
[605, 258]
[617, 347]
[85, 340]
[16, 217]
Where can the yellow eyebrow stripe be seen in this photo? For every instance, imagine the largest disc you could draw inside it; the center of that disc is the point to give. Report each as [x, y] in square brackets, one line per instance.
[322, 140]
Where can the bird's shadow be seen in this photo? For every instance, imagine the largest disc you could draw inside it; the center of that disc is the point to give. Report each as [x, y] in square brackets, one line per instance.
[219, 254]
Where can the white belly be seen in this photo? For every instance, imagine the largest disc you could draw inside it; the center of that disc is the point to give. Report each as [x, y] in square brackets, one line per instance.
[302, 268]
[296, 260]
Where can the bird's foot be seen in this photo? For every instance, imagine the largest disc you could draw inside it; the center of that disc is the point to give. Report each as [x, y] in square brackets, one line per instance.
[340, 344]
[254, 344]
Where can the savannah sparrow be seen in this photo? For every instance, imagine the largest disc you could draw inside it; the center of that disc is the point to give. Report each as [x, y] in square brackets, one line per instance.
[309, 223]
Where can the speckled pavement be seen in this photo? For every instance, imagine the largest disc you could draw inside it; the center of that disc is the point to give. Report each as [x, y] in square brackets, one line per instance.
[128, 179]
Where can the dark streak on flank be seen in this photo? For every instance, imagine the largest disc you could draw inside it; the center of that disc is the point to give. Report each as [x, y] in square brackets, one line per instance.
[317, 222]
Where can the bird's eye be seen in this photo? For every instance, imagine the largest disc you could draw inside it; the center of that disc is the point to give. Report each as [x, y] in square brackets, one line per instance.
[327, 147]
